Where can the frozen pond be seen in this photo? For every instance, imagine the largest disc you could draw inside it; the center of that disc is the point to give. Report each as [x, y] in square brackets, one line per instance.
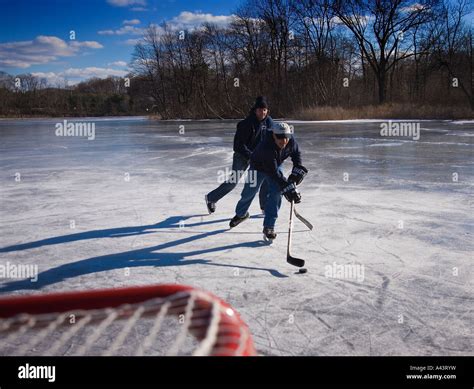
[127, 208]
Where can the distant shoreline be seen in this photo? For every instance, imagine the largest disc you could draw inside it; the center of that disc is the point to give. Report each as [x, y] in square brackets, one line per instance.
[289, 120]
[389, 111]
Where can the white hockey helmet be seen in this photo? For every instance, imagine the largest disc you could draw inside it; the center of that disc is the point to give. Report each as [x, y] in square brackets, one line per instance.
[282, 130]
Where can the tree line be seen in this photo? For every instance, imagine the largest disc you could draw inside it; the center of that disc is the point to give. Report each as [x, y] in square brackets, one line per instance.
[299, 53]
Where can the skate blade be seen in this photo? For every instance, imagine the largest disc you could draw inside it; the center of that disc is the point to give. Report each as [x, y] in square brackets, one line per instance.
[268, 240]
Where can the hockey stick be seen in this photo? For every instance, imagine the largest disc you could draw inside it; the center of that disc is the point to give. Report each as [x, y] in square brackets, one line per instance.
[289, 258]
[303, 220]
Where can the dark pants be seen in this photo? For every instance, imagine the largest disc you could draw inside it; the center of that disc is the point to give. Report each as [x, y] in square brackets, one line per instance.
[273, 202]
[239, 164]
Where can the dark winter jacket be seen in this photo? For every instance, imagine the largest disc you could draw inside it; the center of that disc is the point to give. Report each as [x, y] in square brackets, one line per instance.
[249, 134]
[267, 158]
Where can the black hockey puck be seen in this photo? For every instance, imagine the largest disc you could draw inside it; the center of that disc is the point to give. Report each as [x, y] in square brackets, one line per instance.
[302, 270]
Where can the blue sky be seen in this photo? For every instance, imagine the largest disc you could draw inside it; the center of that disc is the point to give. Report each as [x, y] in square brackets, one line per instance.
[35, 34]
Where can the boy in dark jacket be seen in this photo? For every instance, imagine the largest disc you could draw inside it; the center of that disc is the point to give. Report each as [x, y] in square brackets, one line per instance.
[250, 132]
[266, 160]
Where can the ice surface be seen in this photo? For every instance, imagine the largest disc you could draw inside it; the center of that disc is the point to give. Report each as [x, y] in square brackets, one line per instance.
[402, 209]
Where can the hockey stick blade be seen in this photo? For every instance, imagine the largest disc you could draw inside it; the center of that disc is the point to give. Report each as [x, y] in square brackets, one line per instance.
[303, 220]
[295, 261]
[289, 258]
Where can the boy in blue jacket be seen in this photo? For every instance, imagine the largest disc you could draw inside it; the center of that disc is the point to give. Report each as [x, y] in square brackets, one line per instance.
[266, 160]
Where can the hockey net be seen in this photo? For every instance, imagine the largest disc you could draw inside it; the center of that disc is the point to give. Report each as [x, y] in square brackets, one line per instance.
[150, 320]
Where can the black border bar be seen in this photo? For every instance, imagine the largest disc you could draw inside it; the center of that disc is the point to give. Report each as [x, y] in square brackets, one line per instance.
[292, 372]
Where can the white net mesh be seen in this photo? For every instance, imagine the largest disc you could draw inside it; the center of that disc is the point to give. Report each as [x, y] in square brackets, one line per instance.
[176, 325]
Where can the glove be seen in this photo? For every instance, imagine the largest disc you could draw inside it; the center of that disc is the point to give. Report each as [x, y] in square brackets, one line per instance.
[291, 193]
[297, 174]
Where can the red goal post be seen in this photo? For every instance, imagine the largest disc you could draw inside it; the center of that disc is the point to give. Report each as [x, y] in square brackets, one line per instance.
[141, 320]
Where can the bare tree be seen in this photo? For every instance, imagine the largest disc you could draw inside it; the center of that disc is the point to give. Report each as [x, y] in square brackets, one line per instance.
[315, 23]
[300, 53]
[147, 60]
[451, 46]
[221, 59]
[381, 28]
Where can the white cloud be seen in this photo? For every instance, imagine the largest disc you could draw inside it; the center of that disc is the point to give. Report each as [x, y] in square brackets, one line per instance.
[363, 20]
[106, 32]
[73, 76]
[192, 20]
[138, 9]
[414, 8]
[88, 44]
[126, 3]
[184, 21]
[131, 42]
[92, 72]
[41, 50]
[117, 63]
[132, 21]
[125, 30]
[52, 78]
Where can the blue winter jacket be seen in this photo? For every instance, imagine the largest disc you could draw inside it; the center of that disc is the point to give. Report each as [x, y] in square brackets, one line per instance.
[250, 132]
[267, 158]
